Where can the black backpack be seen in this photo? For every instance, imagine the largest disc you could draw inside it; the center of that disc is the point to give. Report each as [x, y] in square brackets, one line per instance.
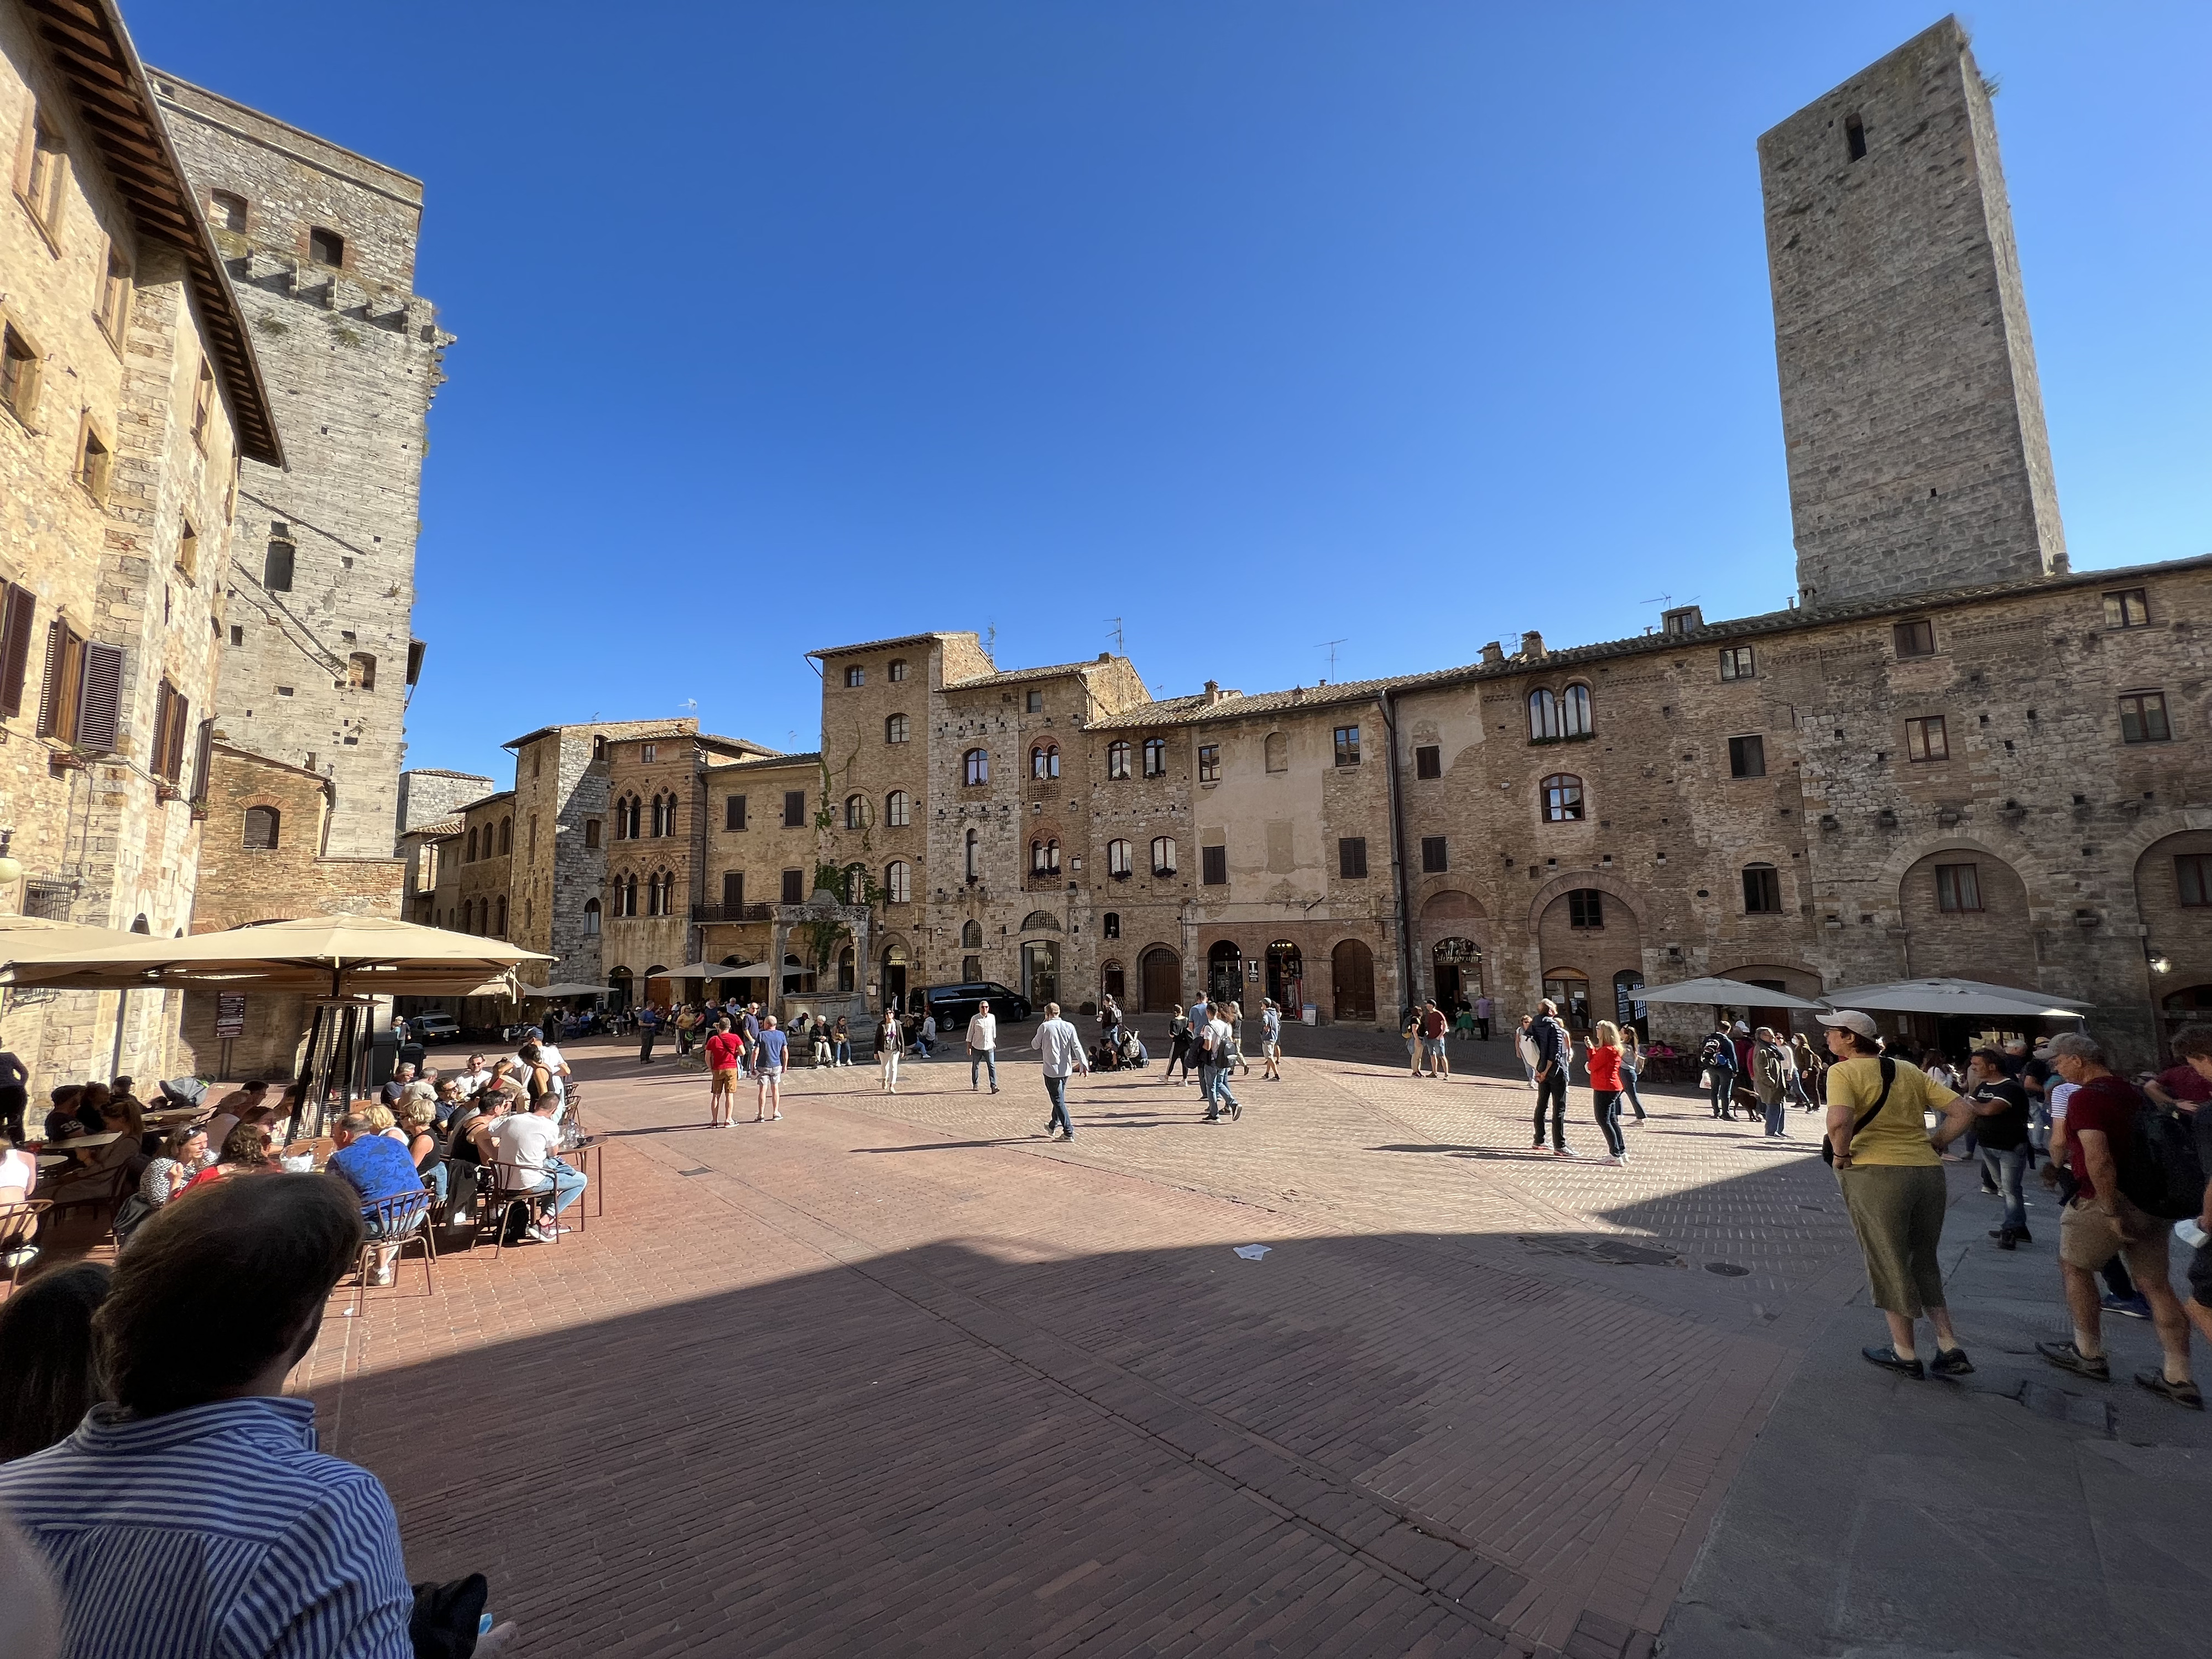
[2162, 1175]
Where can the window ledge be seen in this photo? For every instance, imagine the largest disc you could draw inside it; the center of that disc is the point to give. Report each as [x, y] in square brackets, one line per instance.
[39, 223]
[1571, 736]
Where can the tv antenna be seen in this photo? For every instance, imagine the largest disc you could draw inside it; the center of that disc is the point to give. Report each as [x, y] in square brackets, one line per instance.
[690, 706]
[1118, 650]
[1330, 646]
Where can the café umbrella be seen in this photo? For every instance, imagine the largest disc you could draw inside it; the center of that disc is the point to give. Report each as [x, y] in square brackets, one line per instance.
[559, 989]
[1722, 994]
[1954, 996]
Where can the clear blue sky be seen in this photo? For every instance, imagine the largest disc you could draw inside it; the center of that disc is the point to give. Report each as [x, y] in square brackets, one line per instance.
[1257, 324]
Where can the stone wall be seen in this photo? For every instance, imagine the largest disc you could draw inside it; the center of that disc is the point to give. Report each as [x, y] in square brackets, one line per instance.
[1917, 451]
[427, 795]
[316, 674]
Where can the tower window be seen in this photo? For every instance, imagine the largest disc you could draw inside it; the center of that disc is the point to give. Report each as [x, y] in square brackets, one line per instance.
[1435, 854]
[1855, 136]
[325, 247]
[1747, 758]
[855, 676]
[276, 568]
[228, 210]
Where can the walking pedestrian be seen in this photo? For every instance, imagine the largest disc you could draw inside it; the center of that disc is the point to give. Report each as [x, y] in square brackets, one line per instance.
[648, 1027]
[1631, 1065]
[1235, 1016]
[2001, 1109]
[1271, 1040]
[723, 1048]
[982, 1047]
[1062, 1049]
[1554, 1048]
[889, 1041]
[768, 1072]
[1179, 1038]
[1524, 1044]
[1216, 1056]
[1412, 1036]
[2121, 1296]
[2101, 1222]
[1484, 1008]
[1891, 1177]
[1804, 1072]
[1604, 1060]
[1718, 1057]
[1770, 1079]
[1433, 1027]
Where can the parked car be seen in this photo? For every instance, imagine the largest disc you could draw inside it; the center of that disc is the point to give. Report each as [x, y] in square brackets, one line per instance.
[435, 1026]
[955, 1004]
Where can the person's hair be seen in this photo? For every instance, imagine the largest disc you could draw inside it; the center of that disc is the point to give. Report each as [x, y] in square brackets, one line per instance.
[417, 1115]
[527, 1053]
[768, 1020]
[127, 1108]
[379, 1116]
[256, 1083]
[2079, 1045]
[1052, 1008]
[176, 1331]
[174, 1144]
[246, 1144]
[1608, 1034]
[1547, 1006]
[47, 1376]
[406, 1066]
[1992, 1058]
[2192, 1040]
[357, 1124]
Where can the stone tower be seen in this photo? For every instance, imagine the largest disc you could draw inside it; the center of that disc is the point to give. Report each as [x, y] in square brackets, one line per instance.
[318, 652]
[1917, 454]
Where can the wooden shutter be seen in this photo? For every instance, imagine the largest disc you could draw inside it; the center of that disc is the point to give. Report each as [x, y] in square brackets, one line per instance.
[100, 705]
[203, 760]
[157, 753]
[181, 713]
[733, 893]
[15, 648]
[50, 700]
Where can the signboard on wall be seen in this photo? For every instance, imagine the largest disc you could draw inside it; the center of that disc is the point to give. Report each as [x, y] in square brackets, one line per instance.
[230, 1014]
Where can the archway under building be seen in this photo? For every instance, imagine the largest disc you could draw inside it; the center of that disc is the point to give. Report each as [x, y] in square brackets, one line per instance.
[894, 983]
[1225, 971]
[618, 989]
[1159, 978]
[1286, 978]
[1569, 991]
[1041, 972]
[1352, 968]
[661, 992]
[1114, 982]
[1455, 971]
[1451, 937]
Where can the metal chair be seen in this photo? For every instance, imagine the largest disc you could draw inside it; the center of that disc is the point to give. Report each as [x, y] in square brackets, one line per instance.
[399, 1221]
[504, 1188]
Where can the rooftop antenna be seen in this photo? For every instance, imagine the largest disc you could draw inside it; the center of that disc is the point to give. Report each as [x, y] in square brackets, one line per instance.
[690, 706]
[1330, 646]
[1664, 599]
[1118, 651]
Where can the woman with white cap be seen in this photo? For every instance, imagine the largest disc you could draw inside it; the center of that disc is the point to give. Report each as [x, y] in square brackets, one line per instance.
[1893, 1184]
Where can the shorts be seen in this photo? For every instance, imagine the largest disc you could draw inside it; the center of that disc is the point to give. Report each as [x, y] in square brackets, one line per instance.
[770, 1072]
[725, 1077]
[2199, 1275]
[1433, 1048]
[2088, 1239]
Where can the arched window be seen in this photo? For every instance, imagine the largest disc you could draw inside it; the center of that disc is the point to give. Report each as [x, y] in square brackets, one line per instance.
[1040, 921]
[664, 815]
[898, 882]
[1112, 924]
[1575, 712]
[1118, 860]
[1156, 757]
[1044, 761]
[974, 857]
[1163, 858]
[507, 835]
[896, 811]
[856, 811]
[1562, 799]
[1762, 889]
[499, 926]
[471, 856]
[626, 895]
[261, 826]
[628, 818]
[975, 767]
[894, 728]
[361, 671]
[1543, 715]
[1117, 758]
[1044, 857]
[1278, 749]
[591, 917]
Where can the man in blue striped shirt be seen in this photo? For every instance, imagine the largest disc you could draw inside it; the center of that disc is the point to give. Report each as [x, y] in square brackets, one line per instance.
[190, 1514]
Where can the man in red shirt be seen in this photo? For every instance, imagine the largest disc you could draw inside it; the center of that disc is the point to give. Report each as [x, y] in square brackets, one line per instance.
[1433, 1027]
[2099, 1223]
[2178, 1085]
[724, 1049]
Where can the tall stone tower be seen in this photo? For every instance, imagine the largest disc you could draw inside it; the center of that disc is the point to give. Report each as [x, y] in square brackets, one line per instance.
[1917, 454]
[318, 653]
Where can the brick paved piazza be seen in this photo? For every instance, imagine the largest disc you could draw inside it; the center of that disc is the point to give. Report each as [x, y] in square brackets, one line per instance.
[896, 1375]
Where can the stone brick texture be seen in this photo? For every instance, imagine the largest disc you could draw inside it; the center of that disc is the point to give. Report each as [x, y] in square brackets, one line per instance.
[117, 844]
[352, 356]
[1909, 400]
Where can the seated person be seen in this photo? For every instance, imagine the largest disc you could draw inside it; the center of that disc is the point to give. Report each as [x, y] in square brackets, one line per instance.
[418, 1121]
[378, 1168]
[190, 1511]
[249, 1151]
[61, 1120]
[526, 1144]
[1132, 1047]
[183, 1154]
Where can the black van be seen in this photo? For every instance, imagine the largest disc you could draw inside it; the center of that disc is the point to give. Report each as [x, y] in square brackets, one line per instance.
[955, 1004]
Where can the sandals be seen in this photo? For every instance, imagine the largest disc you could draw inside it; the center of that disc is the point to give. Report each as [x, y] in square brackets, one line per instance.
[2182, 1394]
[2068, 1357]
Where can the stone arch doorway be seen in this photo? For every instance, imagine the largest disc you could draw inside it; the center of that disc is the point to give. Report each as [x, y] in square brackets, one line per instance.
[1965, 915]
[1286, 978]
[1115, 983]
[618, 989]
[2173, 897]
[1352, 967]
[1587, 936]
[1160, 977]
[1225, 971]
[660, 991]
[1456, 970]
[1451, 937]
[894, 983]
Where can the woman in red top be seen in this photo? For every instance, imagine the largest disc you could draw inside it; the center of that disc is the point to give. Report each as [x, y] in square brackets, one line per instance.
[1604, 1060]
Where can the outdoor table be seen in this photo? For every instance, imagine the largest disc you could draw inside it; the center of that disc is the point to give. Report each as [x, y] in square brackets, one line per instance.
[179, 1114]
[588, 1151]
[48, 1159]
[100, 1139]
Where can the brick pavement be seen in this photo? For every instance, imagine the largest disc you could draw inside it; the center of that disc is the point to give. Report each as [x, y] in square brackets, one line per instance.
[895, 1372]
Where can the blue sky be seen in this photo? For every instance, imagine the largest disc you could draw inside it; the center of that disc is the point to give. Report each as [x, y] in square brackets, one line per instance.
[1255, 326]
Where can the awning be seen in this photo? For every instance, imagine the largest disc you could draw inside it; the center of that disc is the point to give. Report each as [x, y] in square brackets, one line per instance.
[708, 970]
[1720, 993]
[1954, 996]
[541, 993]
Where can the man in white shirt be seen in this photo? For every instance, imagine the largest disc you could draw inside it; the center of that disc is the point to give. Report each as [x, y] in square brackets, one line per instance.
[526, 1142]
[550, 1058]
[983, 1047]
[472, 1082]
[1214, 1064]
[1061, 1046]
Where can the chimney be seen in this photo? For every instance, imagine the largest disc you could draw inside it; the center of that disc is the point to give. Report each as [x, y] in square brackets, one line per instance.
[1212, 692]
[1532, 644]
[1492, 655]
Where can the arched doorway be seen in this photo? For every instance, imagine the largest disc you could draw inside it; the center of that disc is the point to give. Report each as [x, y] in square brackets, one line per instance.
[1352, 966]
[1159, 973]
[844, 970]
[895, 977]
[1457, 966]
[1225, 971]
[661, 992]
[1628, 1008]
[1966, 913]
[1286, 978]
[1114, 982]
[618, 990]
[1041, 971]
[1567, 988]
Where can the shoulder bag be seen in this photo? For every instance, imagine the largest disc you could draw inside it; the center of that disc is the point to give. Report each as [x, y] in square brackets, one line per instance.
[1888, 1077]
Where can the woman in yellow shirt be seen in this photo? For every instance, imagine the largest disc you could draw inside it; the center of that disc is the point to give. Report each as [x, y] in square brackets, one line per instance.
[1893, 1184]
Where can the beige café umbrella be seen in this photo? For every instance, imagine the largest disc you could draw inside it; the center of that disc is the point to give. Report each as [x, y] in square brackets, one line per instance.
[1722, 994]
[1954, 996]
